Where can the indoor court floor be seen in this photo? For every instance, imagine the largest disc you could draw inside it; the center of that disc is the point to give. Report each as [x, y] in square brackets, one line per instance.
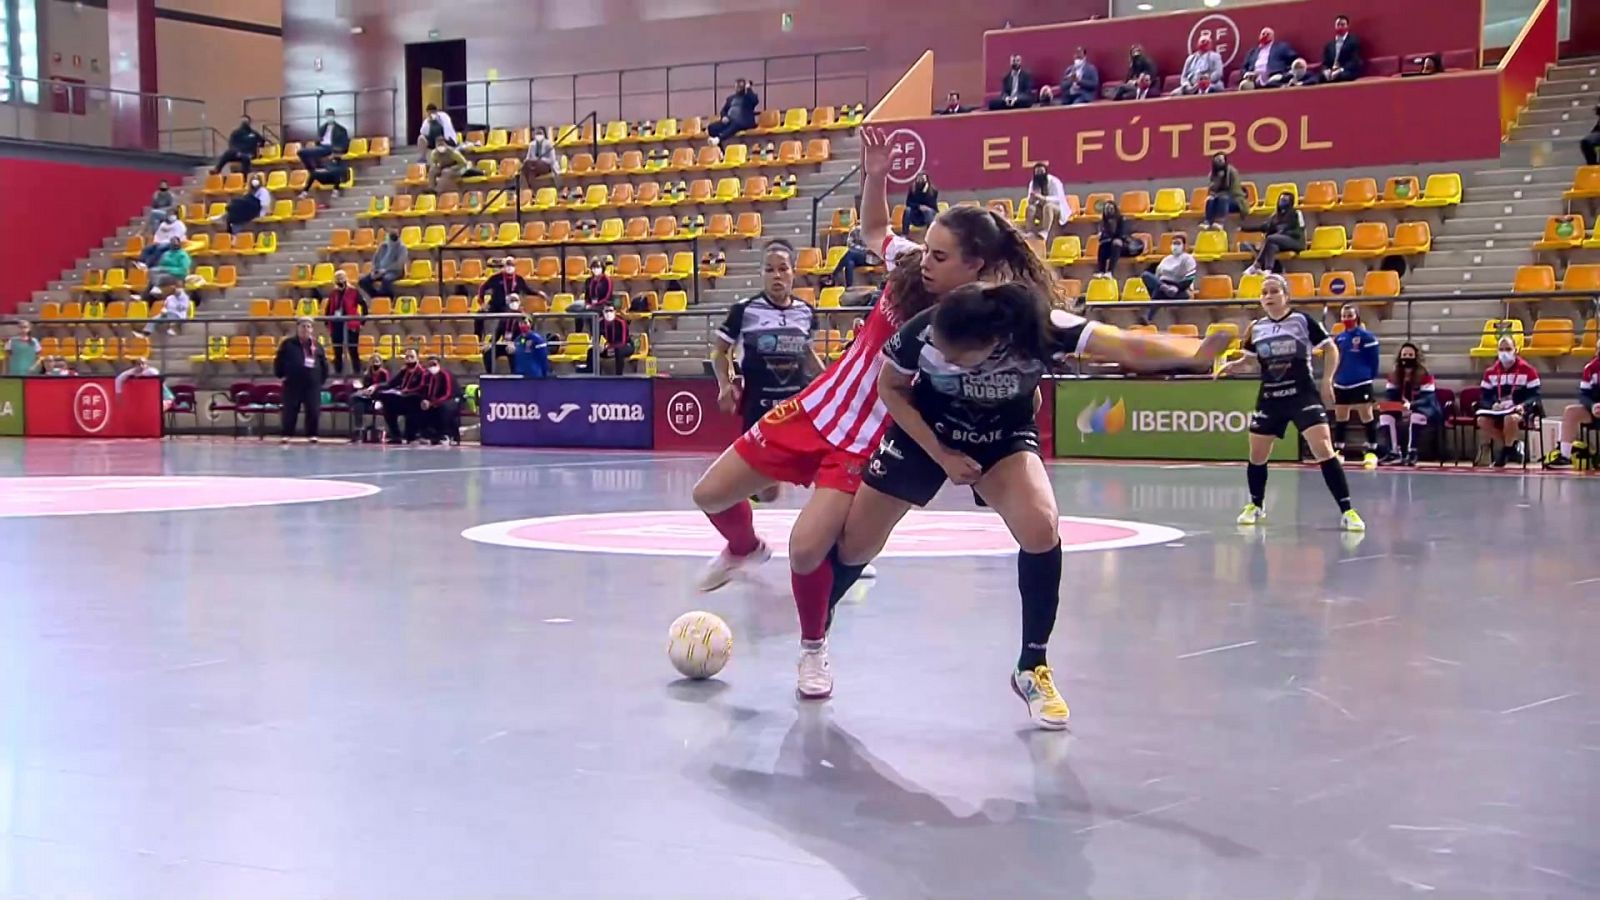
[348, 698]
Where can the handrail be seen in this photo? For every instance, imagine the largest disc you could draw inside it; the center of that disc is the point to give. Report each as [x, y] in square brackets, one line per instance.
[816, 202]
[321, 97]
[593, 118]
[563, 246]
[173, 115]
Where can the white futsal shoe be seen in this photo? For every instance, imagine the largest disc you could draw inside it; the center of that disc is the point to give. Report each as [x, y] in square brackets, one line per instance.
[868, 571]
[1037, 688]
[814, 677]
[720, 571]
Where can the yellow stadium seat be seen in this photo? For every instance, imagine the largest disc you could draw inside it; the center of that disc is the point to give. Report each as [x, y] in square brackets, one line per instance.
[1381, 283]
[1582, 277]
[1210, 246]
[421, 272]
[1411, 238]
[1442, 189]
[1586, 341]
[1327, 242]
[1133, 290]
[1585, 185]
[728, 190]
[793, 120]
[1269, 200]
[1551, 337]
[1369, 241]
[1320, 196]
[675, 301]
[1493, 330]
[282, 211]
[1562, 233]
[1170, 203]
[830, 297]
[733, 156]
[1102, 290]
[1065, 250]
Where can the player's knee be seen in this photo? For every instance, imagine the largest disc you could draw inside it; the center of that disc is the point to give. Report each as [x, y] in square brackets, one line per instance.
[806, 554]
[1038, 530]
[707, 495]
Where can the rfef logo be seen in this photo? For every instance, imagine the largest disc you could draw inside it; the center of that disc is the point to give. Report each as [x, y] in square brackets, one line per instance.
[684, 413]
[908, 155]
[1224, 35]
[1105, 417]
[91, 408]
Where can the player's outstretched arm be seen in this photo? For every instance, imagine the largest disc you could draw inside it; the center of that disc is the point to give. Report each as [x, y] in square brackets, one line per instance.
[1143, 352]
[874, 187]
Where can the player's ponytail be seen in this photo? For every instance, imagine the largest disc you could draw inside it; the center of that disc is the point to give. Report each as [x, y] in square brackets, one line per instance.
[905, 288]
[1012, 314]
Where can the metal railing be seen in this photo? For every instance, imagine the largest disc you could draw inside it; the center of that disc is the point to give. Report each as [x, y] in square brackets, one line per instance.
[71, 112]
[365, 112]
[829, 77]
[816, 202]
[562, 249]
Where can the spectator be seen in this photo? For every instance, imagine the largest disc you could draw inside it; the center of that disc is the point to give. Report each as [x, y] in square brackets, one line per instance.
[448, 160]
[334, 173]
[1140, 67]
[56, 367]
[1575, 416]
[171, 232]
[302, 365]
[1510, 394]
[176, 262]
[1143, 89]
[1174, 276]
[243, 145]
[922, 204]
[22, 351]
[500, 314]
[1300, 75]
[1016, 88]
[1341, 57]
[243, 210]
[175, 305]
[1047, 202]
[1225, 193]
[615, 344]
[530, 352]
[541, 159]
[436, 128]
[441, 415]
[1352, 383]
[855, 256]
[496, 290]
[1590, 143]
[334, 139]
[1267, 63]
[597, 288]
[400, 396]
[344, 309]
[141, 368]
[1411, 401]
[162, 203]
[1202, 71]
[1114, 240]
[1080, 83]
[738, 113]
[1286, 230]
[363, 400]
[389, 264]
[952, 105]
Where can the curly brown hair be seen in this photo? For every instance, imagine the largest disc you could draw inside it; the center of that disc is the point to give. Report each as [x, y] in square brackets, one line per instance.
[989, 236]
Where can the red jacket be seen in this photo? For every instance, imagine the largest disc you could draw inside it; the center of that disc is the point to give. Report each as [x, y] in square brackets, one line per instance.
[347, 303]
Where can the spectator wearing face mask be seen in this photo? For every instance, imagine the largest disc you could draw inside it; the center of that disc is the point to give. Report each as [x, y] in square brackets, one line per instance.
[952, 105]
[1341, 57]
[436, 128]
[22, 351]
[1410, 403]
[502, 331]
[1080, 83]
[440, 415]
[447, 161]
[615, 344]
[364, 399]
[1016, 88]
[530, 352]
[1352, 383]
[1267, 63]
[922, 204]
[541, 160]
[175, 305]
[1286, 230]
[738, 113]
[389, 263]
[171, 232]
[855, 256]
[1174, 276]
[493, 294]
[162, 203]
[597, 288]
[344, 310]
[141, 368]
[1047, 202]
[401, 396]
[331, 139]
[1140, 67]
[1576, 415]
[1590, 143]
[1509, 394]
[1300, 75]
[333, 173]
[1202, 71]
[302, 365]
[243, 145]
[248, 208]
[1114, 240]
[1225, 193]
[175, 263]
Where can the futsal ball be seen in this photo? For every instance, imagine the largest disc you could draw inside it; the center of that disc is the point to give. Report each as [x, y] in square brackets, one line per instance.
[699, 644]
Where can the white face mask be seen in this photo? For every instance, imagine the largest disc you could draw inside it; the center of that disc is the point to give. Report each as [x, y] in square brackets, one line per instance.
[433, 369]
[1507, 357]
[609, 315]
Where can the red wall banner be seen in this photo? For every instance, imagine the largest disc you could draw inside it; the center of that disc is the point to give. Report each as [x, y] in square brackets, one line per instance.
[1385, 27]
[687, 417]
[92, 408]
[1442, 118]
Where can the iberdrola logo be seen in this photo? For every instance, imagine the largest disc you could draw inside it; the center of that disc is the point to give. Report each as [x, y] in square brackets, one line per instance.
[1105, 417]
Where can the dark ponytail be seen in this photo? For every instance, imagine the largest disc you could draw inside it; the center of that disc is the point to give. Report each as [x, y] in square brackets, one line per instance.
[990, 237]
[1011, 314]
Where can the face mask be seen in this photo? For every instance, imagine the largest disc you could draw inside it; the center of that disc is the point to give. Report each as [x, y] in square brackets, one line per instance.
[1507, 357]
[1266, 40]
[609, 315]
[524, 328]
[1015, 65]
[1177, 249]
[434, 370]
[1408, 364]
[1341, 30]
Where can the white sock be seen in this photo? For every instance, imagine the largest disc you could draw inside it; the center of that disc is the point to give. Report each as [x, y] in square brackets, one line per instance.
[1566, 449]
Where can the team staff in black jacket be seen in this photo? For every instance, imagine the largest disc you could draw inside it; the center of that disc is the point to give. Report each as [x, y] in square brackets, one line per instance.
[441, 417]
[302, 364]
[243, 145]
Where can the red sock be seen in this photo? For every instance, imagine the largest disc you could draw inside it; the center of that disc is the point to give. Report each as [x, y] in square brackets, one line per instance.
[737, 525]
[811, 591]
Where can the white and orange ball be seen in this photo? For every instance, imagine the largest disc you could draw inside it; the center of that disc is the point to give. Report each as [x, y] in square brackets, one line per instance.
[699, 644]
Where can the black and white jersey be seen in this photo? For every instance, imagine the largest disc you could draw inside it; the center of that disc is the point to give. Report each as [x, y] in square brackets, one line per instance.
[997, 392]
[773, 344]
[1283, 349]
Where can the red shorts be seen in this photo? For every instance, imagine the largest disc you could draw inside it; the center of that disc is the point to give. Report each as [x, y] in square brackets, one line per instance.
[785, 446]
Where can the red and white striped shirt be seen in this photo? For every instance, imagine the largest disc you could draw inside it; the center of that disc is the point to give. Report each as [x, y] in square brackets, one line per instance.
[842, 402]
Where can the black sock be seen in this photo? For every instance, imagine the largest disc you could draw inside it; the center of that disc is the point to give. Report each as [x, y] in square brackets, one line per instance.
[1372, 435]
[1341, 428]
[1256, 477]
[1039, 582]
[844, 577]
[1333, 477]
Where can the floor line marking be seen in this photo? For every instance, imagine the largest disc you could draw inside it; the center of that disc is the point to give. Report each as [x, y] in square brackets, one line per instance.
[1328, 700]
[1361, 623]
[1363, 558]
[546, 465]
[1218, 649]
[1586, 581]
[1142, 813]
[1557, 699]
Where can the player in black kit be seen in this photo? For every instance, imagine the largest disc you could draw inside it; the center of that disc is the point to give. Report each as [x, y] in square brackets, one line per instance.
[961, 382]
[772, 334]
[1281, 344]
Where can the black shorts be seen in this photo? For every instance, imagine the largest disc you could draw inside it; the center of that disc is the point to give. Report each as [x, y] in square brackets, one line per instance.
[1272, 417]
[903, 470]
[1359, 395]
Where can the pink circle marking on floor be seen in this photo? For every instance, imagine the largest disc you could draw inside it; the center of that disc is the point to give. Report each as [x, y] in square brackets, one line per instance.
[102, 495]
[923, 533]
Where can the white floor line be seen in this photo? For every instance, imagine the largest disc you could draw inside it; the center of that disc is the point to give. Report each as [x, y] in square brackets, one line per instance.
[1506, 712]
[1218, 649]
[613, 461]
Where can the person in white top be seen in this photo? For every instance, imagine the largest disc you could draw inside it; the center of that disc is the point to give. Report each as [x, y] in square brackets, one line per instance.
[1047, 202]
[436, 127]
[170, 233]
[175, 305]
[541, 159]
[1174, 276]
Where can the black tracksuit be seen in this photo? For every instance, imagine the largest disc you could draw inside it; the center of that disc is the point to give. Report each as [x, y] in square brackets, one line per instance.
[302, 382]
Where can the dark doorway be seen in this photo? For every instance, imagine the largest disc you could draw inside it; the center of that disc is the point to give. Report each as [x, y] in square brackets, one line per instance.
[435, 73]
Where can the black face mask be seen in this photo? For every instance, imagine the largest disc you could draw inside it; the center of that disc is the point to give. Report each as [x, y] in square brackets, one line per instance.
[1040, 179]
[1015, 66]
[1408, 364]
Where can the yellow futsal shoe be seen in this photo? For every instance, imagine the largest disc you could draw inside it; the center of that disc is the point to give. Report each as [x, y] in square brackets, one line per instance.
[1370, 461]
[1252, 515]
[1037, 688]
[1351, 521]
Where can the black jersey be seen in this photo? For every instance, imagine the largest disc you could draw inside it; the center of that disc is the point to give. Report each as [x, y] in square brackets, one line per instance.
[994, 394]
[1283, 348]
[773, 343]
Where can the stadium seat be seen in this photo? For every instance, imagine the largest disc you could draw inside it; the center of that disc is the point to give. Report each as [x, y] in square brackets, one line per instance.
[1399, 193]
[1134, 204]
[1269, 200]
[1442, 189]
[1169, 204]
[1327, 242]
[1369, 240]
[1336, 285]
[1213, 287]
[1320, 196]
[1585, 185]
[1381, 283]
[1133, 290]
[1411, 239]
[1493, 330]
[1065, 250]
[675, 301]
[1302, 285]
[1582, 277]
[1530, 279]
[1562, 233]
[1102, 290]
[748, 225]
[1551, 337]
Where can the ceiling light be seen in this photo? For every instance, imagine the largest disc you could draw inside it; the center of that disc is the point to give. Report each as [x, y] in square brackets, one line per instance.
[1144, 7]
